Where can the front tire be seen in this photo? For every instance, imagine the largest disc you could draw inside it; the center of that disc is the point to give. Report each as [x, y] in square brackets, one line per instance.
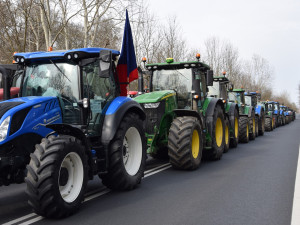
[185, 143]
[57, 176]
[127, 155]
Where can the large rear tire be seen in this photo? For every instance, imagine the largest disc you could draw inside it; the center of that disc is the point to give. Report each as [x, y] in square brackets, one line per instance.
[252, 131]
[218, 137]
[269, 124]
[227, 136]
[244, 129]
[185, 143]
[256, 125]
[57, 176]
[261, 124]
[126, 155]
[235, 139]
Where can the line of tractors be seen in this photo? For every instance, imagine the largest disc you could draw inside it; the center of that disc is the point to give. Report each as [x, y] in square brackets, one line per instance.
[63, 122]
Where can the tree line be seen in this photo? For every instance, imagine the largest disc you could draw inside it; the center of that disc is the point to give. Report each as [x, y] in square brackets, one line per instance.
[35, 25]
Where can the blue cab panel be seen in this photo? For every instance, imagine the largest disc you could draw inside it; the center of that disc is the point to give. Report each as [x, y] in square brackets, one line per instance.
[258, 109]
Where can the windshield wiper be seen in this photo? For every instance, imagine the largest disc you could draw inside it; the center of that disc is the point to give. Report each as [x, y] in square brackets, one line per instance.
[60, 70]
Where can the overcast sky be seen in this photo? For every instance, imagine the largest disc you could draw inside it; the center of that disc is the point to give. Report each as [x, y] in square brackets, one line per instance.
[269, 28]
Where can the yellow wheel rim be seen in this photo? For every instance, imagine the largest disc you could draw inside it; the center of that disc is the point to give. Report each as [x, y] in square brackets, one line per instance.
[253, 128]
[236, 127]
[219, 132]
[195, 144]
[247, 128]
[272, 123]
[227, 135]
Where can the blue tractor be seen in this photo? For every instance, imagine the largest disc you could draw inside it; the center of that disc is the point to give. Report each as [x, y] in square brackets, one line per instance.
[280, 121]
[68, 125]
[251, 98]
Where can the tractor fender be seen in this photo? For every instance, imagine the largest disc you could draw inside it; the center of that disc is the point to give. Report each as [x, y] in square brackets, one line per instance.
[186, 112]
[230, 113]
[114, 115]
[66, 129]
[210, 113]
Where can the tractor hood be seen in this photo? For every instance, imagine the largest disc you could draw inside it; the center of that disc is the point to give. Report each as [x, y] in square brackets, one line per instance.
[155, 96]
[28, 115]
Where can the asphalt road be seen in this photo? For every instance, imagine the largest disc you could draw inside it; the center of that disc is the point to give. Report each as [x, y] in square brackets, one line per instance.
[252, 184]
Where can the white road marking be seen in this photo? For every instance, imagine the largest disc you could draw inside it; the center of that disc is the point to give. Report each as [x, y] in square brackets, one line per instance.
[96, 195]
[296, 203]
[156, 168]
[157, 171]
[89, 196]
[32, 220]
[20, 219]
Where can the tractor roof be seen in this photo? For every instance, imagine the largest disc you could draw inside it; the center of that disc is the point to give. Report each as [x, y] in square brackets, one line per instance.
[221, 78]
[238, 90]
[177, 65]
[87, 52]
[268, 102]
[250, 93]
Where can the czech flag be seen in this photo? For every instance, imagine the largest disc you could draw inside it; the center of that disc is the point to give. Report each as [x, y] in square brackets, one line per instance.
[127, 68]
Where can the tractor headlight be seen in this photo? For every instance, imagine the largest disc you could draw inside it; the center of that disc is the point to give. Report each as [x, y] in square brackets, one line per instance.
[151, 105]
[4, 128]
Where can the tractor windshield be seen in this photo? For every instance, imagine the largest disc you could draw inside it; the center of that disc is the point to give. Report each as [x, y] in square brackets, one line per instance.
[179, 80]
[248, 100]
[270, 106]
[58, 79]
[234, 97]
[214, 90]
[276, 107]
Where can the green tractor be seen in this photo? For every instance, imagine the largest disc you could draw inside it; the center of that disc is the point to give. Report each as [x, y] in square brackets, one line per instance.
[219, 90]
[270, 120]
[247, 121]
[181, 121]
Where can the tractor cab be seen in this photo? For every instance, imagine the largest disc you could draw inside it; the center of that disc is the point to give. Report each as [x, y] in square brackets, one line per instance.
[75, 78]
[251, 98]
[270, 105]
[187, 80]
[237, 96]
[219, 88]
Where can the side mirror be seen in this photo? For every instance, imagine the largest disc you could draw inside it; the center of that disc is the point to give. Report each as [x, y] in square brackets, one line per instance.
[105, 63]
[230, 86]
[209, 78]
